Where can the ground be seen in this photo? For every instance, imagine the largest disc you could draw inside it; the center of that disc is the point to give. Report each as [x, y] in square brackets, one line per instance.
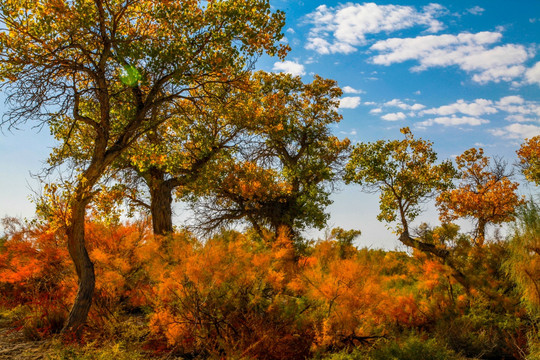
[13, 346]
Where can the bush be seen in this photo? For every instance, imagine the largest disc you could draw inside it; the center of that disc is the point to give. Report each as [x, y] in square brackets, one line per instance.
[413, 348]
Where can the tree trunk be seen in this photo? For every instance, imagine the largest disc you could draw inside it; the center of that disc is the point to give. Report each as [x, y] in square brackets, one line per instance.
[83, 266]
[480, 232]
[160, 201]
[161, 209]
[77, 247]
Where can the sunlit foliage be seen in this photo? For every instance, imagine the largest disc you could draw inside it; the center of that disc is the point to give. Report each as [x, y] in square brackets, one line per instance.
[485, 193]
[529, 158]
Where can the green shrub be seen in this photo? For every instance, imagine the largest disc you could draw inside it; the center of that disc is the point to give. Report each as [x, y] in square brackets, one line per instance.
[413, 348]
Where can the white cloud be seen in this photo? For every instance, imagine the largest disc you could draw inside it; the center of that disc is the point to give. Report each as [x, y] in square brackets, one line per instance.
[400, 104]
[375, 111]
[515, 104]
[351, 90]
[290, 67]
[342, 28]
[473, 53]
[350, 133]
[454, 121]
[476, 108]
[533, 74]
[349, 102]
[517, 131]
[394, 116]
[509, 100]
[517, 118]
[477, 10]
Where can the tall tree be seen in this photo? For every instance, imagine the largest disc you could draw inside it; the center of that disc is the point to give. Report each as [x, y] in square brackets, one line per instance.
[485, 193]
[282, 179]
[112, 65]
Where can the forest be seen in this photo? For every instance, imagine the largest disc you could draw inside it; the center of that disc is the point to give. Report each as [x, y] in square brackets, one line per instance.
[154, 103]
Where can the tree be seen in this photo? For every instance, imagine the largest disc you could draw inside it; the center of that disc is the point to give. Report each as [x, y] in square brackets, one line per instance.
[406, 175]
[529, 159]
[281, 179]
[485, 193]
[171, 156]
[112, 65]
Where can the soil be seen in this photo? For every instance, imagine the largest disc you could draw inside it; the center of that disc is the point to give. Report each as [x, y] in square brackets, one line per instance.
[14, 346]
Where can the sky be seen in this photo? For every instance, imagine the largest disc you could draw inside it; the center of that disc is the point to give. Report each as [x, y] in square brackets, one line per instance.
[462, 74]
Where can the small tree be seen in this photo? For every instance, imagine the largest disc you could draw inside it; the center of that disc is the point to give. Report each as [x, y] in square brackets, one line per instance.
[485, 193]
[406, 175]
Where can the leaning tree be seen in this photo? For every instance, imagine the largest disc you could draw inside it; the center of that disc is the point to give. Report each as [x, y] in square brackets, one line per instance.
[112, 66]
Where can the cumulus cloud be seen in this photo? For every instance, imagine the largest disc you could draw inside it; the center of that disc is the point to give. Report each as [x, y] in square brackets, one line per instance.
[515, 104]
[375, 111]
[351, 90]
[533, 74]
[290, 67]
[349, 102]
[394, 116]
[473, 53]
[343, 28]
[400, 104]
[517, 131]
[510, 100]
[454, 121]
[475, 108]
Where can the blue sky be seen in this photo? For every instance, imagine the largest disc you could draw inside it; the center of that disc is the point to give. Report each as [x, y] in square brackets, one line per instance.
[459, 73]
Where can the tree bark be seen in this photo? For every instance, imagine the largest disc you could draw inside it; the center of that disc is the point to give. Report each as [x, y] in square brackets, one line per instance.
[77, 248]
[83, 266]
[160, 201]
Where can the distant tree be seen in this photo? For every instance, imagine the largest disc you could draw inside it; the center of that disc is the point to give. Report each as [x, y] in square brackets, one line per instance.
[529, 159]
[485, 193]
[111, 66]
[282, 178]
